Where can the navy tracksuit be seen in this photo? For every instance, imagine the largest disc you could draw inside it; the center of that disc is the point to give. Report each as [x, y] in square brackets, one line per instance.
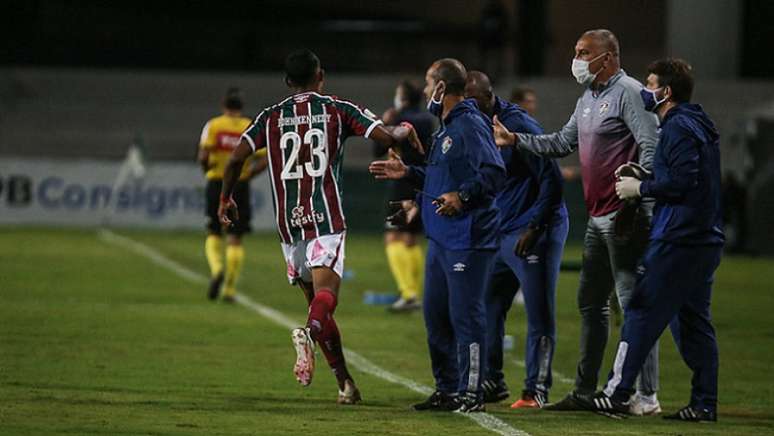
[531, 197]
[674, 284]
[461, 249]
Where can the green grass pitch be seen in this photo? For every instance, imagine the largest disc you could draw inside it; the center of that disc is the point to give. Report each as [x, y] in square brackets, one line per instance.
[96, 339]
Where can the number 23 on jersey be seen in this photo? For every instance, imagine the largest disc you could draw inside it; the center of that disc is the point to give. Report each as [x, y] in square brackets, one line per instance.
[314, 138]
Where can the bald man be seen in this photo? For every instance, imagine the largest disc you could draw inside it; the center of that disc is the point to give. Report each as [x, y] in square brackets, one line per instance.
[533, 230]
[609, 128]
[463, 174]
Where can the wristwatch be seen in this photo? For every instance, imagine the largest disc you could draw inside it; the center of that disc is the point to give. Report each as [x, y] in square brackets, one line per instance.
[464, 197]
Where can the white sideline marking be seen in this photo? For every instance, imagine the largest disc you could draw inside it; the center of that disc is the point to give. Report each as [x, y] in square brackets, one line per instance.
[558, 376]
[485, 420]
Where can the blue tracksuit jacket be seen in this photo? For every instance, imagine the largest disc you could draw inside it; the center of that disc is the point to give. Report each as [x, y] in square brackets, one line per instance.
[462, 157]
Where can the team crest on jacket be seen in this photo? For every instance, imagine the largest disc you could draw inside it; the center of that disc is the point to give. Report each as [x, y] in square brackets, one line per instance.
[603, 107]
[446, 144]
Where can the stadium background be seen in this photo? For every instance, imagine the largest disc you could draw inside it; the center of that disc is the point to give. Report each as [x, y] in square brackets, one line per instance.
[82, 81]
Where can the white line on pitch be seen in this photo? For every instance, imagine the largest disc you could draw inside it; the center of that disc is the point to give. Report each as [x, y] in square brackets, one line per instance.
[485, 420]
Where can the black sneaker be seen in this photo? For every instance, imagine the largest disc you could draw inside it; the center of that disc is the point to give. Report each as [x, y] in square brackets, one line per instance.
[572, 402]
[495, 391]
[606, 406]
[440, 401]
[470, 402]
[690, 414]
[215, 285]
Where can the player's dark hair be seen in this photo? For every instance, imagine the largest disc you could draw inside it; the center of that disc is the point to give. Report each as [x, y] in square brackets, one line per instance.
[676, 74]
[301, 67]
[519, 93]
[233, 99]
[413, 91]
[453, 73]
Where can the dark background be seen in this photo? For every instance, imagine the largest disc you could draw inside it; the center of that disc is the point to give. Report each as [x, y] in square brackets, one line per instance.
[352, 36]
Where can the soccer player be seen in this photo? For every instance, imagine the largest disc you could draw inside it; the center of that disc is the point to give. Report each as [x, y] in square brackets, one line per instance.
[609, 127]
[463, 173]
[304, 135]
[401, 238]
[533, 230]
[674, 283]
[220, 137]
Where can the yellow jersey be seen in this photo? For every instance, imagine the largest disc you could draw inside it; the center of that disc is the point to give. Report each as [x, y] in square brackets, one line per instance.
[220, 136]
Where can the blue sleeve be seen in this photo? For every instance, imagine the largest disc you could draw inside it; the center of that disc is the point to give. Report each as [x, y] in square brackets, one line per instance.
[543, 169]
[681, 152]
[416, 176]
[483, 156]
[551, 187]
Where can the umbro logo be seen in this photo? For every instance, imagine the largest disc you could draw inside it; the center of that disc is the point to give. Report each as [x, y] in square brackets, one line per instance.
[533, 258]
[459, 267]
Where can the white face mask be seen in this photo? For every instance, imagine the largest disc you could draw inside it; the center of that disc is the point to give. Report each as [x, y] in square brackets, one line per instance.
[580, 70]
[397, 103]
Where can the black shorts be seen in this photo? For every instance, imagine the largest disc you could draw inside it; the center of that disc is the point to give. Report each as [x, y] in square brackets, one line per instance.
[242, 197]
[402, 190]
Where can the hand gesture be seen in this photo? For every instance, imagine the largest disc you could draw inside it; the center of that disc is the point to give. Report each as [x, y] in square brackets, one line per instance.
[527, 241]
[413, 138]
[449, 204]
[390, 169]
[406, 213]
[503, 138]
[227, 205]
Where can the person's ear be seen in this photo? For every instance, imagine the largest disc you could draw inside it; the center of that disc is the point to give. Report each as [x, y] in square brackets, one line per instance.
[321, 75]
[288, 82]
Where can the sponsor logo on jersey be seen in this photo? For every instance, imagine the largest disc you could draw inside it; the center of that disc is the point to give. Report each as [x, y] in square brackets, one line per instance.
[446, 144]
[299, 218]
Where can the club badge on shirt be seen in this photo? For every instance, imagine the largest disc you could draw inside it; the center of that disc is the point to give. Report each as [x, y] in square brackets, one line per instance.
[603, 107]
[446, 144]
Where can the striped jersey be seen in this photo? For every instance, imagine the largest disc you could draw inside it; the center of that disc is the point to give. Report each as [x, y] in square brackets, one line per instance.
[304, 135]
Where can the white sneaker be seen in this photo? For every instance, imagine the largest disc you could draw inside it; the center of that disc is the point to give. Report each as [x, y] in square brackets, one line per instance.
[350, 394]
[405, 305]
[304, 368]
[644, 405]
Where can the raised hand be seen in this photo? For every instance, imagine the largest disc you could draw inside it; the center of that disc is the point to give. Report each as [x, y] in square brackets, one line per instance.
[503, 138]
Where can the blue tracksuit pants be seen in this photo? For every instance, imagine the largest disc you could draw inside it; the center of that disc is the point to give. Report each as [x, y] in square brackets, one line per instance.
[674, 286]
[455, 316]
[537, 274]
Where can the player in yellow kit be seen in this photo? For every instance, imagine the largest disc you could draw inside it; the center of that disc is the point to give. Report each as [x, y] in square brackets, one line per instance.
[219, 138]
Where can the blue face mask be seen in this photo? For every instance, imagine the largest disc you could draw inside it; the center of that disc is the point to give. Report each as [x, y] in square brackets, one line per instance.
[650, 99]
[435, 107]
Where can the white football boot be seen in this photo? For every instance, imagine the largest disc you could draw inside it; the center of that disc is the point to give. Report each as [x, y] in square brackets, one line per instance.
[304, 368]
[350, 394]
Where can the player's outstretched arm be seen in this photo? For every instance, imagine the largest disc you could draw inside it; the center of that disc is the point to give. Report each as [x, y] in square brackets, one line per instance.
[392, 136]
[230, 178]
